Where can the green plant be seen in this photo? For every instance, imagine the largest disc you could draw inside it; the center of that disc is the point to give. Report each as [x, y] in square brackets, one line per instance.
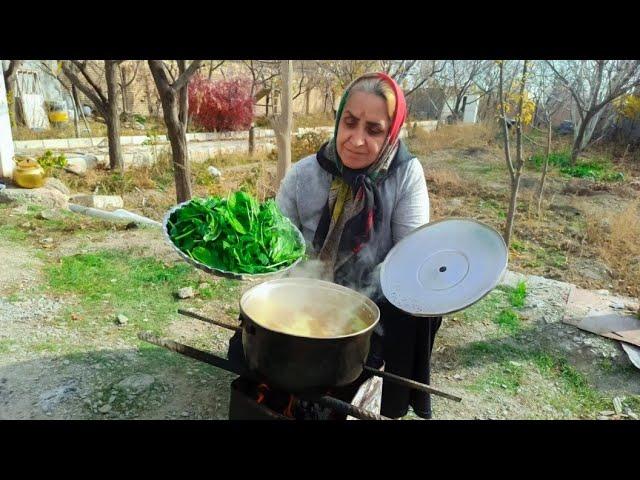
[517, 246]
[518, 294]
[49, 162]
[601, 169]
[509, 320]
[236, 234]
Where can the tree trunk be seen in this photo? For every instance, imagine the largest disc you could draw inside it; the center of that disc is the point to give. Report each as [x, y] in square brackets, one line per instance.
[112, 117]
[307, 101]
[284, 122]
[147, 91]
[9, 82]
[577, 142]
[178, 140]
[180, 152]
[175, 111]
[545, 168]
[515, 186]
[76, 109]
[252, 139]
[123, 89]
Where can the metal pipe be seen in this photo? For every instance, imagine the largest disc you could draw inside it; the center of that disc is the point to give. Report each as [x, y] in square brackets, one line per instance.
[410, 383]
[208, 320]
[188, 351]
[323, 400]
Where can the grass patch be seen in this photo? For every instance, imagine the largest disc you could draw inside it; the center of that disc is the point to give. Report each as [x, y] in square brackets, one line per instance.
[12, 233]
[487, 308]
[6, 345]
[518, 294]
[508, 320]
[506, 365]
[517, 246]
[596, 169]
[112, 282]
[507, 375]
[576, 390]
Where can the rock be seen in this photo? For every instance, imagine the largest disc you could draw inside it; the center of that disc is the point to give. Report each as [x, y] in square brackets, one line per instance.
[137, 383]
[186, 292]
[48, 215]
[80, 164]
[185, 414]
[602, 292]
[121, 319]
[102, 202]
[213, 171]
[458, 377]
[617, 405]
[51, 398]
[603, 418]
[105, 408]
[47, 240]
[21, 210]
[617, 305]
[46, 197]
[607, 413]
[56, 184]
[632, 414]
[455, 203]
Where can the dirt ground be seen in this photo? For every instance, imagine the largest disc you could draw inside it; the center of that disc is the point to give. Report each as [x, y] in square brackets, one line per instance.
[63, 357]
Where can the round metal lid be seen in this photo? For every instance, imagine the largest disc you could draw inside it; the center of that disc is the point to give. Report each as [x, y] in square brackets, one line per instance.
[443, 267]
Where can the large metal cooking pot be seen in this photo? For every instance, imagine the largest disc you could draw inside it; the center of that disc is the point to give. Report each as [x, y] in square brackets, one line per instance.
[308, 361]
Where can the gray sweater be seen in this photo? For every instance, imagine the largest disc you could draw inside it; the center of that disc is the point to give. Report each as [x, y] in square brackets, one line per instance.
[405, 201]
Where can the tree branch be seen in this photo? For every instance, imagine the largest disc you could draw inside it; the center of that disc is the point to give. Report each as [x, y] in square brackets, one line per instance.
[100, 104]
[184, 77]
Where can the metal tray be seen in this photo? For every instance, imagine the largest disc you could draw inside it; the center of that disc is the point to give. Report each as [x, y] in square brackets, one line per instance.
[218, 272]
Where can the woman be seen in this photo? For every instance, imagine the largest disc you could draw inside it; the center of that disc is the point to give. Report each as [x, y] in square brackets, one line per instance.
[353, 201]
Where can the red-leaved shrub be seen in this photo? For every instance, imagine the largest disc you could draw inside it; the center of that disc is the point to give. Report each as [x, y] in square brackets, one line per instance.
[221, 105]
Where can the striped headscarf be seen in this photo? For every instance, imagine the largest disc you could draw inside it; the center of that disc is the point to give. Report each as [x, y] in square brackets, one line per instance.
[353, 212]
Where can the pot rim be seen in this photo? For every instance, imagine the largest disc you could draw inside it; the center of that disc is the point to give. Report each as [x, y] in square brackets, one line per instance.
[322, 283]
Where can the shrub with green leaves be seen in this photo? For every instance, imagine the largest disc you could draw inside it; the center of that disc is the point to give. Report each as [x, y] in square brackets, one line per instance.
[236, 234]
[600, 170]
[49, 161]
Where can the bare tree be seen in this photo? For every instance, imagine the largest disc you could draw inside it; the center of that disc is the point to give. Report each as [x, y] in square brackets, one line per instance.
[9, 81]
[175, 107]
[282, 123]
[515, 169]
[127, 77]
[457, 78]
[263, 74]
[593, 85]
[213, 68]
[106, 104]
[412, 74]
[543, 85]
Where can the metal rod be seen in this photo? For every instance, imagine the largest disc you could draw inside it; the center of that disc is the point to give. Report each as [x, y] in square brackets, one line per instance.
[410, 383]
[347, 408]
[209, 320]
[188, 351]
[324, 400]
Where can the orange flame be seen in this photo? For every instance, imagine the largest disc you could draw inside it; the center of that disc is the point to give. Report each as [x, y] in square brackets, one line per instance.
[288, 412]
[263, 387]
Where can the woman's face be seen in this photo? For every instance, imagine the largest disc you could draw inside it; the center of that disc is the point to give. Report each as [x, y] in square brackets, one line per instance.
[362, 129]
